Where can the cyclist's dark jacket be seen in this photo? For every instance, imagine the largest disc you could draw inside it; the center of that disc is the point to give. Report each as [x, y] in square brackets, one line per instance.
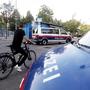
[18, 37]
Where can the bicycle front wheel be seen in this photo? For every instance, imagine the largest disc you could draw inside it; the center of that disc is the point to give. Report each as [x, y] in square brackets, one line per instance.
[5, 66]
[30, 59]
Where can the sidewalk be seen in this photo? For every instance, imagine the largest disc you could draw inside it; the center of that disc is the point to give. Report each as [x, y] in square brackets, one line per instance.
[6, 39]
[4, 42]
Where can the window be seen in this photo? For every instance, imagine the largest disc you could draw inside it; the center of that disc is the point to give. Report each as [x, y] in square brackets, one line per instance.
[45, 31]
[35, 31]
[50, 31]
[55, 31]
[63, 31]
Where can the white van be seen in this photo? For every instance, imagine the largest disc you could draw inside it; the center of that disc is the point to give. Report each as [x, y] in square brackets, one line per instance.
[45, 33]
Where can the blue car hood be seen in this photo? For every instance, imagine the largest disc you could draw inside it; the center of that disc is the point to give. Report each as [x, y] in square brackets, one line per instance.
[61, 68]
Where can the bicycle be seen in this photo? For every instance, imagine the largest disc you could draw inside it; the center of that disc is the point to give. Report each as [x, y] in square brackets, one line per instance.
[8, 60]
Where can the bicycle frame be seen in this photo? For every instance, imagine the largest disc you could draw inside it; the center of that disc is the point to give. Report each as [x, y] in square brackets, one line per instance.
[13, 52]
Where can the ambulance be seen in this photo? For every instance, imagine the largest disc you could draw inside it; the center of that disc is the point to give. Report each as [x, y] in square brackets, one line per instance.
[44, 33]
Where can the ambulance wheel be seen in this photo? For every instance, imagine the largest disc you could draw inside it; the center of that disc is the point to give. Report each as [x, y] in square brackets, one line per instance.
[68, 40]
[44, 42]
[38, 43]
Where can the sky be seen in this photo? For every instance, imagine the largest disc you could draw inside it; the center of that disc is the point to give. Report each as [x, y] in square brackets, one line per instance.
[63, 9]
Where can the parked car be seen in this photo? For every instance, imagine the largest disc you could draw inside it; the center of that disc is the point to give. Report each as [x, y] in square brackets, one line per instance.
[61, 68]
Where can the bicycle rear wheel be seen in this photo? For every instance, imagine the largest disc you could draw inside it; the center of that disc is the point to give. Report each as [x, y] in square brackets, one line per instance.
[30, 59]
[5, 66]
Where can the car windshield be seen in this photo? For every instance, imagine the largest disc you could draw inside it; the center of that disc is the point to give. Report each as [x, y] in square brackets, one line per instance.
[85, 40]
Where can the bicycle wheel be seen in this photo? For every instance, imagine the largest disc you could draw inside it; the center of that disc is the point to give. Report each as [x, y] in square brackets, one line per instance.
[30, 59]
[5, 66]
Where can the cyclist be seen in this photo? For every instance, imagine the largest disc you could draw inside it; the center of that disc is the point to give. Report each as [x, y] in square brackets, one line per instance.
[19, 35]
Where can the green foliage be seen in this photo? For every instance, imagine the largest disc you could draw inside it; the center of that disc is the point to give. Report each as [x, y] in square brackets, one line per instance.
[84, 28]
[14, 19]
[16, 14]
[12, 26]
[71, 25]
[11, 15]
[46, 14]
[1, 22]
[6, 14]
[28, 19]
[57, 22]
[6, 11]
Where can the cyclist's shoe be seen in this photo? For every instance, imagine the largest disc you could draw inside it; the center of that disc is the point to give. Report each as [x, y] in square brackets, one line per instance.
[18, 68]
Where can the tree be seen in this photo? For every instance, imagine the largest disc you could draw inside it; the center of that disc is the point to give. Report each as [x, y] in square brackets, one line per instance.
[15, 19]
[16, 14]
[71, 25]
[46, 14]
[6, 12]
[1, 21]
[83, 28]
[29, 17]
[57, 22]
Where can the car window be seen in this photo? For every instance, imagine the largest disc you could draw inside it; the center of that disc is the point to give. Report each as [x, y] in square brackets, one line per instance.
[63, 31]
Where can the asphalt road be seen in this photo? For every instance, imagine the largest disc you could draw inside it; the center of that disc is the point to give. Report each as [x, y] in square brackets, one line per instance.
[13, 81]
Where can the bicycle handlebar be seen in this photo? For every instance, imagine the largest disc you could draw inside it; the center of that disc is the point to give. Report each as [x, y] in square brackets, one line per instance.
[28, 42]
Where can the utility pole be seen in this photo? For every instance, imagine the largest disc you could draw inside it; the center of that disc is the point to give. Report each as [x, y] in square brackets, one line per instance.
[15, 15]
